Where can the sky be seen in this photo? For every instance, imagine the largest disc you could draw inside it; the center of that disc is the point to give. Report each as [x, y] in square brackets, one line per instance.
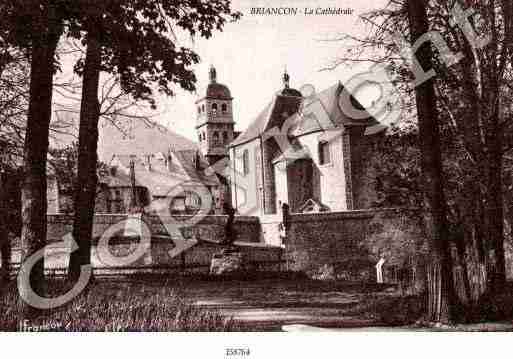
[250, 57]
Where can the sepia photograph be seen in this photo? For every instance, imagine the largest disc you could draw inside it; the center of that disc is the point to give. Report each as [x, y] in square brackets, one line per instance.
[318, 168]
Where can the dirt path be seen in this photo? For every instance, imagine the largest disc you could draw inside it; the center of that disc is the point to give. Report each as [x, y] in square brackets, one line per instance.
[270, 304]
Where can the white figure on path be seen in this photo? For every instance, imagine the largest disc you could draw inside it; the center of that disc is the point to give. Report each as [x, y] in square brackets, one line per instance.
[379, 270]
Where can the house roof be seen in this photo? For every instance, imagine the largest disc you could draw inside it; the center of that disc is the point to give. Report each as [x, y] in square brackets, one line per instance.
[162, 173]
[117, 179]
[187, 159]
[304, 115]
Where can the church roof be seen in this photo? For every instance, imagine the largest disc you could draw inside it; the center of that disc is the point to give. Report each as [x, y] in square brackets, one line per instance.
[218, 91]
[214, 89]
[322, 112]
[280, 108]
[290, 92]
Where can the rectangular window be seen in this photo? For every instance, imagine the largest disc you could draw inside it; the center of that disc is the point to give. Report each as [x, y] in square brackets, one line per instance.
[245, 162]
[324, 153]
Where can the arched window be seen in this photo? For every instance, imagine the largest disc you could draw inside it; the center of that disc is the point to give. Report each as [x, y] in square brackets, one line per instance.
[216, 138]
[199, 136]
[204, 137]
[225, 137]
[214, 108]
[224, 108]
[199, 109]
[202, 108]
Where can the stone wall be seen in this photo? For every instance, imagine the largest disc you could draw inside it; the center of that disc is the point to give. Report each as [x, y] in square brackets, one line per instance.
[211, 228]
[247, 229]
[256, 256]
[346, 243]
[349, 244]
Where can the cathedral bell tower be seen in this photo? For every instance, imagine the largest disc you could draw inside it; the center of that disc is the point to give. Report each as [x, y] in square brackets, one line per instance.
[214, 123]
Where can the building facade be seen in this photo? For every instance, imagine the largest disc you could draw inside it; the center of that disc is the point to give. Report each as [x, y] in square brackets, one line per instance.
[305, 152]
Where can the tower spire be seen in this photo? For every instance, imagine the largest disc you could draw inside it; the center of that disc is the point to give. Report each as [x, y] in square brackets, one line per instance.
[213, 74]
[286, 79]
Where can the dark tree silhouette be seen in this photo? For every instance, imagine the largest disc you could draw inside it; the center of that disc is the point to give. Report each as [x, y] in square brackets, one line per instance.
[35, 26]
[440, 283]
[138, 47]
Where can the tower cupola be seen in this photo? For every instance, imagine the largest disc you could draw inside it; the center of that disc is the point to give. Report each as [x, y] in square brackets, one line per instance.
[214, 122]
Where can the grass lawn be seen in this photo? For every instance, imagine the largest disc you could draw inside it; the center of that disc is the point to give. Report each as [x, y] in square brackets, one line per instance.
[117, 306]
[201, 304]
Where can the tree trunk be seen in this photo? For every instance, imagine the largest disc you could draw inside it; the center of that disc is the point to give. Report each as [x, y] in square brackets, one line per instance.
[85, 188]
[494, 211]
[439, 274]
[5, 244]
[34, 205]
[474, 253]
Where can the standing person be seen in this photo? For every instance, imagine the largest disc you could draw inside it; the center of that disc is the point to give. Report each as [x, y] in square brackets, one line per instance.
[379, 269]
[229, 237]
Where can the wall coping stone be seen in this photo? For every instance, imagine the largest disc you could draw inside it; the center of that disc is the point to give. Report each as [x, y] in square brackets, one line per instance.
[354, 214]
[271, 218]
[114, 218]
[258, 245]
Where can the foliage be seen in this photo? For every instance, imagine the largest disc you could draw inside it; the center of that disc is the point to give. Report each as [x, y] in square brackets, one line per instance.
[14, 79]
[119, 306]
[64, 163]
[390, 310]
[474, 101]
[139, 43]
[397, 168]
